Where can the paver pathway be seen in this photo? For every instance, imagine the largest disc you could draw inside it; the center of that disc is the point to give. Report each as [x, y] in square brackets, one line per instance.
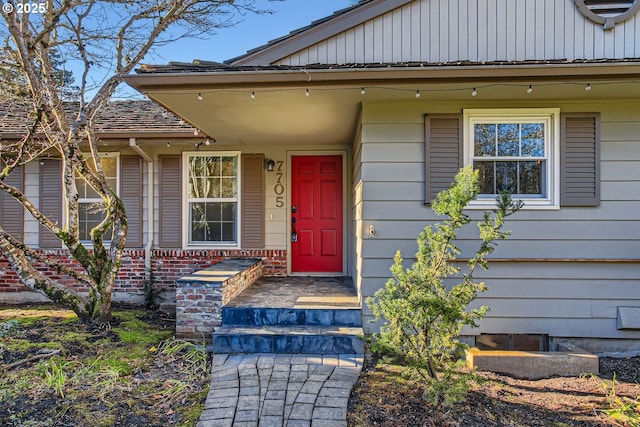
[280, 390]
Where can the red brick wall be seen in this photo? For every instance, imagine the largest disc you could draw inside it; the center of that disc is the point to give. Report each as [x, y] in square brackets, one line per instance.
[167, 267]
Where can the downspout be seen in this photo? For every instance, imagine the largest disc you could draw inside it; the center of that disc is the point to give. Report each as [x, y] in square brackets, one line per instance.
[149, 245]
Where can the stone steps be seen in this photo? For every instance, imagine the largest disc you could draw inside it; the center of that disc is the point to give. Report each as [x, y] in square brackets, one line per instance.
[307, 315]
[263, 316]
[332, 339]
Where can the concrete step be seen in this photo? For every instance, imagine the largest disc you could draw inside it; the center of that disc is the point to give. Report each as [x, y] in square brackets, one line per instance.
[262, 316]
[288, 339]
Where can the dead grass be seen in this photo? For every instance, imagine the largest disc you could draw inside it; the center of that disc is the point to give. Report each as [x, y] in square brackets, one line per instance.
[102, 376]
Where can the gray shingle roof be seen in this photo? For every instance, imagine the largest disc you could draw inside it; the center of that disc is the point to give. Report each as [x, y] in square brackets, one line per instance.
[210, 67]
[118, 116]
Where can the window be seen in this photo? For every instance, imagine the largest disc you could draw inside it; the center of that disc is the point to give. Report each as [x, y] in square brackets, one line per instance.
[212, 198]
[90, 204]
[516, 151]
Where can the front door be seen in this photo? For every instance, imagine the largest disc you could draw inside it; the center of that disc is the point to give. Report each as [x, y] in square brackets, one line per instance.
[316, 214]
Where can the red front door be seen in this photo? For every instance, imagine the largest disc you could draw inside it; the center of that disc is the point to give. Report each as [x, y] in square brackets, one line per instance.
[316, 214]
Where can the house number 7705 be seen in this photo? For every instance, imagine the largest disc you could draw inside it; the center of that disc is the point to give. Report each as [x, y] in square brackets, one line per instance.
[278, 188]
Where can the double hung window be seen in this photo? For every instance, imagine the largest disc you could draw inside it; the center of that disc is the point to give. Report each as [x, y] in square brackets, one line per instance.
[90, 204]
[515, 151]
[212, 198]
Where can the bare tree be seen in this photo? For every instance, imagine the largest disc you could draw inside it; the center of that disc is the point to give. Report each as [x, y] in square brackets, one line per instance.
[108, 38]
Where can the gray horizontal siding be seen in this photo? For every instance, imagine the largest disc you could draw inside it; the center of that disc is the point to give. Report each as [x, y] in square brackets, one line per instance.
[475, 30]
[557, 298]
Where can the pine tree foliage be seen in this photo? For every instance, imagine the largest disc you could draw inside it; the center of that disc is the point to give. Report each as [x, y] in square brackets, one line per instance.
[423, 308]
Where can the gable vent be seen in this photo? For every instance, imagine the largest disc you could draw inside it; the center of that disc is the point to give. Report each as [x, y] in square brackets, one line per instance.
[608, 12]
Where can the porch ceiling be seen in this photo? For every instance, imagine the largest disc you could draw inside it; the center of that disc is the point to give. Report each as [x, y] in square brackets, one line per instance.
[275, 116]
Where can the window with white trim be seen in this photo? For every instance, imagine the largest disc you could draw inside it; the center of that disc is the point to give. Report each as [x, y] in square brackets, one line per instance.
[516, 151]
[213, 186]
[90, 205]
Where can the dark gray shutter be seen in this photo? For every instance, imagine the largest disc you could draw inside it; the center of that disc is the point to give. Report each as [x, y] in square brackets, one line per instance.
[11, 211]
[131, 194]
[170, 202]
[443, 152]
[252, 218]
[50, 199]
[580, 159]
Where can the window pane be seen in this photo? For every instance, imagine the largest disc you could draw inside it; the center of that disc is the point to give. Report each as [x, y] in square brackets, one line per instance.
[484, 137]
[110, 166]
[228, 188]
[487, 178]
[508, 140]
[228, 232]
[213, 222]
[229, 166]
[507, 177]
[531, 177]
[228, 211]
[532, 135]
[89, 216]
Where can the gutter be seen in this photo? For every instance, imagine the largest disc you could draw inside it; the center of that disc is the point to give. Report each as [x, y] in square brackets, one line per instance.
[148, 248]
[431, 74]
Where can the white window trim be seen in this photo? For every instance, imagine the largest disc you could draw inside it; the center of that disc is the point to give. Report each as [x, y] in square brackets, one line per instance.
[89, 243]
[551, 117]
[185, 206]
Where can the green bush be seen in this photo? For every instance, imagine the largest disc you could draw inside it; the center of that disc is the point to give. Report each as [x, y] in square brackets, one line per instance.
[422, 316]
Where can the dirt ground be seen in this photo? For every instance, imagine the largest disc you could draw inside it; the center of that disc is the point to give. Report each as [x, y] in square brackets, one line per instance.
[382, 397]
[132, 373]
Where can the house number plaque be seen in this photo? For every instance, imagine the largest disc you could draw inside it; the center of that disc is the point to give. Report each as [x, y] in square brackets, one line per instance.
[278, 188]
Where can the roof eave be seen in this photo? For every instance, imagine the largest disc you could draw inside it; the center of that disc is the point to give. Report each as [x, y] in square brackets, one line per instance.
[391, 75]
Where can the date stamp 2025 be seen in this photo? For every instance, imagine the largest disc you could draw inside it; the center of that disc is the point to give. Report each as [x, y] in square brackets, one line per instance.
[28, 7]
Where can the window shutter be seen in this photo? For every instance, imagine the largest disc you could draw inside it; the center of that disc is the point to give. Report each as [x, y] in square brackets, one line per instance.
[50, 199]
[252, 221]
[443, 152]
[11, 211]
[580, 159]
[170, 202]
[131, 194]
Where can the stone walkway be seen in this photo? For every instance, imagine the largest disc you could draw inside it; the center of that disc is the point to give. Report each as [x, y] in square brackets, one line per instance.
[280, 390]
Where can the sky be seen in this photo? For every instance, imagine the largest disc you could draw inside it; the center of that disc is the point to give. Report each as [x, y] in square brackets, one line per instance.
[252, 31]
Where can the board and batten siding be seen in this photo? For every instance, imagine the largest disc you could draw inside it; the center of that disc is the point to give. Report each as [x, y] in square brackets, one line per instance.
[558, 297]
[436, 31]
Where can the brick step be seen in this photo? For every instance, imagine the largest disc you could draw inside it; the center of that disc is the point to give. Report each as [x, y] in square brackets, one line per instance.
[288, 339]
[262, 316]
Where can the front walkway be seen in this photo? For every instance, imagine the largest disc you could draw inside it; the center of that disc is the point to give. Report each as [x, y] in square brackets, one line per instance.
[280, 390]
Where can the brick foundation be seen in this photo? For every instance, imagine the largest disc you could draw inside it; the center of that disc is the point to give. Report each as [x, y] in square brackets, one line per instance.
[167, 267]
[201, 295]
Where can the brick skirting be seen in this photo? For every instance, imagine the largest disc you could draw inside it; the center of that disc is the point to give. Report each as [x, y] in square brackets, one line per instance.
[167, 267]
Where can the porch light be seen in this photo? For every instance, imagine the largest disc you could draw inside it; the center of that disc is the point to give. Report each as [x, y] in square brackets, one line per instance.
[199, 96]
[253, 94]
[417, 94]
[270, 164]
[474, 92]
[530, 89]
[588, 87]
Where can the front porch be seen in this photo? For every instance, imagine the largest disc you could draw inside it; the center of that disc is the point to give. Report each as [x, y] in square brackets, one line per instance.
[244, 312]
[311, 315]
